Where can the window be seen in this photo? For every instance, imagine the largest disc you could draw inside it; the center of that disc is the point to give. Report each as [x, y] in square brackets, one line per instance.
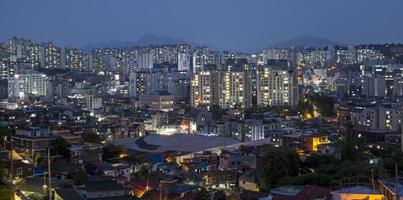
[19, 171]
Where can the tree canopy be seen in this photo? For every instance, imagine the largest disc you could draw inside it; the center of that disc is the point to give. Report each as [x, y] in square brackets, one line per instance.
[278, 163]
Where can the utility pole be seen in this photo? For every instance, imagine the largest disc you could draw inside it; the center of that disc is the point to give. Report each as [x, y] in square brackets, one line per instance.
[11, 159]
[372, 179]
[397, 183]
[49, 176]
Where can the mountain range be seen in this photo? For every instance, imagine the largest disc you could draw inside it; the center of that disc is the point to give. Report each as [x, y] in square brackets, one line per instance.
[146, 40]
[305, 41]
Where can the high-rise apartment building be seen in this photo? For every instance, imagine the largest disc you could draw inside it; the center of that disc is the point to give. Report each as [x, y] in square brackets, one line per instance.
[276, 87]
[235, 88]
[183, 62]
[76, 59]
[204, 88]
[50, 56]
[27, 83]
[145, 61]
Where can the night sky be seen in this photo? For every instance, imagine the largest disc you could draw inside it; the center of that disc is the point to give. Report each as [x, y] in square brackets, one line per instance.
[233, 24]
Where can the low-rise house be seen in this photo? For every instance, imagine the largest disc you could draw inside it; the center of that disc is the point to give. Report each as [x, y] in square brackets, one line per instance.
[158, 101]
[103, 189]
[388, 189]
[290, 192]
[357, 192]
[249, 181]
[237, 160]
[66, 194]
[21, 167]
[308, 142]
[172, 187]
[32, 141]
[220, 178]
[117, 169]
[67, 135]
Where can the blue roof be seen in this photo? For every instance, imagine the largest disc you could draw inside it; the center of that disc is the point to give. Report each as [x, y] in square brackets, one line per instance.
[181, 188]
[156, 159]
[38, 171]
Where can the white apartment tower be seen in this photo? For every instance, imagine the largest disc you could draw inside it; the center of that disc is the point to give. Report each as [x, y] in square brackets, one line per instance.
[276, 87]
[31, 83]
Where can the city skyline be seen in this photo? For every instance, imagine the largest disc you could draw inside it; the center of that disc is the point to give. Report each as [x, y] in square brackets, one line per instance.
[237, 26]
[203, 100]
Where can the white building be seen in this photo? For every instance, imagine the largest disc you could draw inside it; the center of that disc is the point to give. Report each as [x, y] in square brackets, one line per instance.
[93, 103]
[235, 89]
[132, 85]
[276, 87]
[204, 89]
[31, 83]
[274, 54]
[183, 62]
[145, 61]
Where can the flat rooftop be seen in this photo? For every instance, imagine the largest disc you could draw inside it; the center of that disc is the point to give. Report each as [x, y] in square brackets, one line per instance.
[178, 142]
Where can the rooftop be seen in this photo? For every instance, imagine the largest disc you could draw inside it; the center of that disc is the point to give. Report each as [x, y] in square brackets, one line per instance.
[69, 194]
[179, 142]
[356, 190]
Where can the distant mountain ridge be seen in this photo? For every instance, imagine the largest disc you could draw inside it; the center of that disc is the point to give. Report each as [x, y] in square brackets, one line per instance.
[145, 40]
[305, 41]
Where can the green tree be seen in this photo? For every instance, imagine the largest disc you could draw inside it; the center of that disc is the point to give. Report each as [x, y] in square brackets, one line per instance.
[92, 138]
[219, 195]
[142, 173]
[111, 151]
[324, 105]
[60, 146]
[390, 163]
[277, 163]
[351, 150]
[79, 176]
[305, 106]
[5, 132]
[217, 112]
[2, 170]
[37, 160]
[6, 193]
[202, 194]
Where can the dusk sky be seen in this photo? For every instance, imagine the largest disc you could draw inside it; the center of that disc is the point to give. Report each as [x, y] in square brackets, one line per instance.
[233, 24]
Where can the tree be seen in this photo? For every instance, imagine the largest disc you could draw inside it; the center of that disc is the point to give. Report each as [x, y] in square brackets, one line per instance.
[2, 170]
[5, 132]
[37, 160]
[351, 150]
[277, 163]
[6, 193]
[217, 112]
[324, 105]
[111, 151]
[305, 107]
[141, 173]
[79, 176]
[315, 161]
[202, 194]
[390, 163]
[219, 195]
[92, 138]
[61, 147]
